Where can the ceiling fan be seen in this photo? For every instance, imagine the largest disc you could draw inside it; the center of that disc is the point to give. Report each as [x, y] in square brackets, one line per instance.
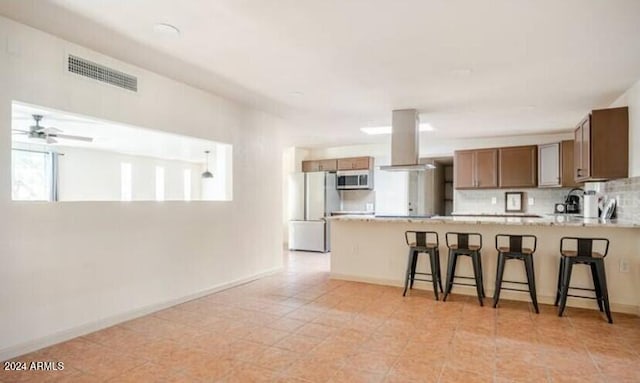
[50, 134]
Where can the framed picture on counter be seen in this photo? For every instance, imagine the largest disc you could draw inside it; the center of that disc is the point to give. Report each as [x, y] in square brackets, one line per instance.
[513, 202]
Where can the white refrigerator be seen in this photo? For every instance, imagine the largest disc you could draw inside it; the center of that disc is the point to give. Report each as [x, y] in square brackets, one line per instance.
[312, 197]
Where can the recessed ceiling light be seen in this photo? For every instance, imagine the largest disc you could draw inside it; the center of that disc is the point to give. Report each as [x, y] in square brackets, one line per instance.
[297, 93]
[165, 29]
[374, 130]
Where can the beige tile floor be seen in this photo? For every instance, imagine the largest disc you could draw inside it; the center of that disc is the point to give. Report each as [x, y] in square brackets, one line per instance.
[301, 326]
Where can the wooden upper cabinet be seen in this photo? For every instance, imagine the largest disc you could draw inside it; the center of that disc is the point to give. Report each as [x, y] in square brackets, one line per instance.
[319, 166]
[463, 169]
[567, 179]
[518, 167]
[601, 147]
[476, 169]
[486, 168]
[581, 150]
[355, 163]
[555, 165]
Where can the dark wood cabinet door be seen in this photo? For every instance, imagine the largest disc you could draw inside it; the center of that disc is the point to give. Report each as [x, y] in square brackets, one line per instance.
[356, 163]
[609, 154]
[585, 163]
[310, 166]
[328, 165]
[486, 168]
[463, 167]
[518, 167]
[577, 153]
[567, 168]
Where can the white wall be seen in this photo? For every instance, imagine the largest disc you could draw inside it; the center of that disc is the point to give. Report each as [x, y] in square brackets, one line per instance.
[94, 175]
[94, 263]
[631, 98]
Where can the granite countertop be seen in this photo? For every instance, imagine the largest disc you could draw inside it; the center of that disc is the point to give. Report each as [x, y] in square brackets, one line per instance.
[547, 220]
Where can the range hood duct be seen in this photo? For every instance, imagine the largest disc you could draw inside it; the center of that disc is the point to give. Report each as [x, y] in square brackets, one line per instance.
[405, 135]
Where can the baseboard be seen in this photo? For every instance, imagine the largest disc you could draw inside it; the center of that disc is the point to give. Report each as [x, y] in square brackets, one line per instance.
[465, 290]
[58, 337]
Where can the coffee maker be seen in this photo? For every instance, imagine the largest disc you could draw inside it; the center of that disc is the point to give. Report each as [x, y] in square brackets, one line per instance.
[571, 203]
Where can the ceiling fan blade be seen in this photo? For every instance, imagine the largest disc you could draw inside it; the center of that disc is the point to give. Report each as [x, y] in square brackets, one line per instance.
[51, 130]
[70, 137]
[51, 140]
[18, 131]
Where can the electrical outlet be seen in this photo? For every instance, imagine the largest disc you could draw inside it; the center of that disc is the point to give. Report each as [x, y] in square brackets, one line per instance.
[624, 266]
[494, 200]
[531, 201]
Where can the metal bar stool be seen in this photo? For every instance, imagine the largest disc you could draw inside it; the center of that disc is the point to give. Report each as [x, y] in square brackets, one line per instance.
[463, 247]
[519, 247]
[582, 252]
[423, 242]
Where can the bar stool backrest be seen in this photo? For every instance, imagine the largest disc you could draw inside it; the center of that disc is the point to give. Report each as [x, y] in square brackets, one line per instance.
[421, 238]
[585, 246]
[463, 241]
[516, 243]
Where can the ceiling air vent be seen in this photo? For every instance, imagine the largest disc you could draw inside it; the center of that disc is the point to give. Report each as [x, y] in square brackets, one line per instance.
[102, 73]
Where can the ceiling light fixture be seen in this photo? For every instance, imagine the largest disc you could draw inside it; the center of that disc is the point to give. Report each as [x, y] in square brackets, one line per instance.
[165, 29]
[375, 130]
[207, 173]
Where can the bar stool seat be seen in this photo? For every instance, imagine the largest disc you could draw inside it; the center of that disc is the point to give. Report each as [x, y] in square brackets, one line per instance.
[573, 253]
[516, 250]
[504, 249]
[423, 242]
[584, 254]
[468, 248]
[461, 246]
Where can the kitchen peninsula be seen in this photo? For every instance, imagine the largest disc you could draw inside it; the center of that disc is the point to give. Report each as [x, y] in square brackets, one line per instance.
[373, 249]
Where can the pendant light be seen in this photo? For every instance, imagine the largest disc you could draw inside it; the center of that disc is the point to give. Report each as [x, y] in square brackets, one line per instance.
[207, 173]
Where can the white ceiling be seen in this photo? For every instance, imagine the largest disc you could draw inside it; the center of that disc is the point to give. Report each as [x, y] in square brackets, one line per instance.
[109, 136]
[536, 66]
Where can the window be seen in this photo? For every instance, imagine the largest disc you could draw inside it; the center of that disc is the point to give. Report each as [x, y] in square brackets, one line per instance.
[125, 181]
[31, 175]
[159, 183]
[186, 179]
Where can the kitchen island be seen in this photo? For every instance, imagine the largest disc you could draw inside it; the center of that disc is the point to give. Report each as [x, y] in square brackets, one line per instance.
[373, 250]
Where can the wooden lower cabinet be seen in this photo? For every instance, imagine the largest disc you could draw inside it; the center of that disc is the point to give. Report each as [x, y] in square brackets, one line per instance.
[518, 167]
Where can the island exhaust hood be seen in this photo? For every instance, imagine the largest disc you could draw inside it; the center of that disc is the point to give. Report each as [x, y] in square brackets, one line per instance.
[405, 147]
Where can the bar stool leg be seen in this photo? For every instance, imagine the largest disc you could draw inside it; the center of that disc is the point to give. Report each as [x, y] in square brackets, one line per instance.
[451, 269]
[566, 280]
[481, 276]
[438, 270]
[477, 270]
[596, 285]
[560, 274]
[531, 279]
[414, 263]
[499, 274]
[434, 275]
[408, 273]
[602, 278]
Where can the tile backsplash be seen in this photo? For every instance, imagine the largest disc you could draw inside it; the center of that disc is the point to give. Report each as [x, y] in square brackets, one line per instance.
[627, 192]
[357, 200]
[480, 201]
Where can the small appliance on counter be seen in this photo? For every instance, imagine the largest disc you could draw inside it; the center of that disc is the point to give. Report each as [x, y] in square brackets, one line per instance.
[590, 205]
[571, 204]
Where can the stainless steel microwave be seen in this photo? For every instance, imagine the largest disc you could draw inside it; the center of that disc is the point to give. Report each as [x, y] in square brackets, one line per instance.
[355, 179]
